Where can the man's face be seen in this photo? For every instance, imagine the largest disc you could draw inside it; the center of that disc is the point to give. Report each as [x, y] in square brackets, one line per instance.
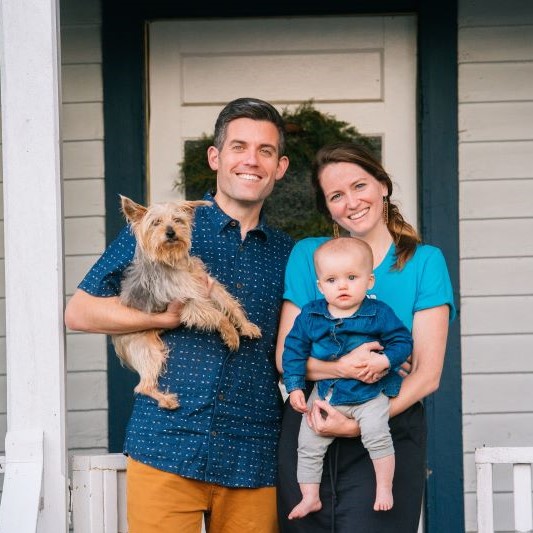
[248, 165]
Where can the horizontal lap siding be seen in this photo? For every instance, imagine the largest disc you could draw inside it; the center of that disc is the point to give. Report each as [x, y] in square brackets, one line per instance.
[482, 160]
[496, 228]
[3, 388]
[83, 174]
[495, 353]
[84, 212]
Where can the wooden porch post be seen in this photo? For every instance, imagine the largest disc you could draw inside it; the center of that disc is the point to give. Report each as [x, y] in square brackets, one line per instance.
[35, 485]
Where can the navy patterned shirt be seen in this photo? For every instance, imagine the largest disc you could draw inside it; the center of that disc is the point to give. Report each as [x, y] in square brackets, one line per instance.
[227, 426]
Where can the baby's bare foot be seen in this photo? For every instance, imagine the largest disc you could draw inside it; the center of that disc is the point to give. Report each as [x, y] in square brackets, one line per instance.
[305, 507]
[384, 499]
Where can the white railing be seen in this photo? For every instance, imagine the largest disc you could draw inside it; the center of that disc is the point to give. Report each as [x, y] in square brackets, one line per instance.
[99, 493]
[98, 500]
[521, 460]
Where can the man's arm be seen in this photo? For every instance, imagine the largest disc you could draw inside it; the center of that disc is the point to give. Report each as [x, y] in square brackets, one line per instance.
[95, 314]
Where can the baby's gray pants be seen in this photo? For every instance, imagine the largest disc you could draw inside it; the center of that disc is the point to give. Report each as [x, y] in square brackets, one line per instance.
[373, 419]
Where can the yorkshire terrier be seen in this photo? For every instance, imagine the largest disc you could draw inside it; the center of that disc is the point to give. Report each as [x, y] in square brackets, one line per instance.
[162, 271]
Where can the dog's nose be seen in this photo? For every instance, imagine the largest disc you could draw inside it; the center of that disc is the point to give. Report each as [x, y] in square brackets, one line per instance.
[170, 233]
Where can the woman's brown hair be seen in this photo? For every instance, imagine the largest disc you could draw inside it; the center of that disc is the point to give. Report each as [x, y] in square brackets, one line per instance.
[404, 235]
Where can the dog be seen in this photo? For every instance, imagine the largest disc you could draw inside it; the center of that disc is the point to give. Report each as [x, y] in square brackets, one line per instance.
[163, 270]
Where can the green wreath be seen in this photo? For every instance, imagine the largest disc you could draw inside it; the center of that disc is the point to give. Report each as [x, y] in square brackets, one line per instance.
[291, 206]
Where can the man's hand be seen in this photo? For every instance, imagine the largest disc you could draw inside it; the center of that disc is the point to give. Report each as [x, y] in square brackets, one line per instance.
[171, 317]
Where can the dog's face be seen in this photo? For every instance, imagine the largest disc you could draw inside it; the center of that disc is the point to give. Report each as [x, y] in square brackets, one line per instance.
[162, 230]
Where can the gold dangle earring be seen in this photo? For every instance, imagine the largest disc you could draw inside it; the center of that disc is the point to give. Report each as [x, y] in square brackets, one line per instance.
[386, 210]
[335, 230]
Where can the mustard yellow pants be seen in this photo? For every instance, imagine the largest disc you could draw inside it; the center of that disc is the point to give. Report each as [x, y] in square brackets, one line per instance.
[161, 502]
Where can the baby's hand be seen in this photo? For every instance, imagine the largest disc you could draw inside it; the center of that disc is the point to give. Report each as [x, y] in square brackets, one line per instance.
[376, 368]
[297, 399]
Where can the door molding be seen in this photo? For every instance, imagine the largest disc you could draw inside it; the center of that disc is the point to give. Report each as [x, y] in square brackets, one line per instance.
[123, 53]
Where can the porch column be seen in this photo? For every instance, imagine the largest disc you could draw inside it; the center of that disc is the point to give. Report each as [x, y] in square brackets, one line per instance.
[35, 485]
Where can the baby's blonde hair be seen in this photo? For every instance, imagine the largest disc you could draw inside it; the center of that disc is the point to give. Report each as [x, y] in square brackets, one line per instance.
[361, 251]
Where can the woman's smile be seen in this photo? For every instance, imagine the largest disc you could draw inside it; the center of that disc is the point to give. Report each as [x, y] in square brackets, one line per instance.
[359, 214]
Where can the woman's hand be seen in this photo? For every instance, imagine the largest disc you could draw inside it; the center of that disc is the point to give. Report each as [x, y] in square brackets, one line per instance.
[358, 364]
[405, 368]
[377, 367]
[328, 422]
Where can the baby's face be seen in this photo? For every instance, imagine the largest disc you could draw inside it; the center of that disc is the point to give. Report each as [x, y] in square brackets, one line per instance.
[343, 280]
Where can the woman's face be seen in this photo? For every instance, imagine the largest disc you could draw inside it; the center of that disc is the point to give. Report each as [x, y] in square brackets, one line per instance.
[354, 198]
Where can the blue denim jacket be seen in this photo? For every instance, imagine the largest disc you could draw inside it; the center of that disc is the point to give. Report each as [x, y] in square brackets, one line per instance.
[317, 334]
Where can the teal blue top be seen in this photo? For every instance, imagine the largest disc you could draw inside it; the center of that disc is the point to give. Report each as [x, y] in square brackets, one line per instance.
[424, 281]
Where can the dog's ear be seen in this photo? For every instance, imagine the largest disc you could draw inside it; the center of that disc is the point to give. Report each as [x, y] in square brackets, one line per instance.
[131, 210]
[193, 204]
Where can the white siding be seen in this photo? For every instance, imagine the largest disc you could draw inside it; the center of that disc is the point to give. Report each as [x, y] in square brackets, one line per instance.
[3, 387]
[495, 62]
[84, 211]
[83, 173]
[496, 224]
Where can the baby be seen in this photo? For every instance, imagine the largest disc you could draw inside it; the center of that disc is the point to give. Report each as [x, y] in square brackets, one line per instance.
[327, 329]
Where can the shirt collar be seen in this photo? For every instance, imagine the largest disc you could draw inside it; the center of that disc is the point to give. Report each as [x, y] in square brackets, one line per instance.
[221, 220]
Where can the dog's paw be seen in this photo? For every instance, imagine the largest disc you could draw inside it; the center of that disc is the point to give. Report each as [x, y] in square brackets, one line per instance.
[169, 401]
[250, 330]
[230, 336]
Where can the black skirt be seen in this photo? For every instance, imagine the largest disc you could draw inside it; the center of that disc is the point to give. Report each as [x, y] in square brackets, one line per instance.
[348, 487]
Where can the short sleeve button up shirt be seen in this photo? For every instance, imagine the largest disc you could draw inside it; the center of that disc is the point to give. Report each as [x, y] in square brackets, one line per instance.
[227, 426]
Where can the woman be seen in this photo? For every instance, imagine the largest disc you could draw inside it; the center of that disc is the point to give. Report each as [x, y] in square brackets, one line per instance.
[355, 191]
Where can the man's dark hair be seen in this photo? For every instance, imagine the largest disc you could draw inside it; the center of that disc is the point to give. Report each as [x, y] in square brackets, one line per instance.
[248, 108]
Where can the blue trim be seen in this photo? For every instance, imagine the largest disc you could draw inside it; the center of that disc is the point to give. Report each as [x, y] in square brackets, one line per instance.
[123, 79]
[439, 198]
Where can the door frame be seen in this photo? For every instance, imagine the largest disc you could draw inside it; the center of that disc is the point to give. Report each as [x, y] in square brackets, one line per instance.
[123, 51]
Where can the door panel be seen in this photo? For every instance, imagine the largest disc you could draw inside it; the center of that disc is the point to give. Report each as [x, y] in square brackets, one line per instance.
[362, 70]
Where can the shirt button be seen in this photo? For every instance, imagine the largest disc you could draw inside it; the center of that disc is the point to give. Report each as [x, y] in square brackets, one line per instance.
[238, 285]
[233, 223]
[220, 396]
[241, 248]
[214, 433]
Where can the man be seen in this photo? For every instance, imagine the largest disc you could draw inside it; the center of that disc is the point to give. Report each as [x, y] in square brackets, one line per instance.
[216, 453]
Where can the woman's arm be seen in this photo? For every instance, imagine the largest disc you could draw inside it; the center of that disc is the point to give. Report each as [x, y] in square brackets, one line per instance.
[289, 312]
[351, 366]
[430, 333]
[95, 314]
[336, 423]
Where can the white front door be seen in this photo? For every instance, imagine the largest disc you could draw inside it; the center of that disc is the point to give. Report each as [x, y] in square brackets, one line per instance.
[361, 70]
